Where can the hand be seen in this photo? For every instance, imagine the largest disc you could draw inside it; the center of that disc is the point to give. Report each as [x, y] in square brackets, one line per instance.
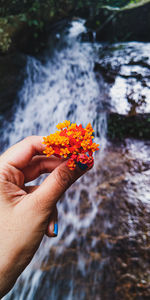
[27, 213]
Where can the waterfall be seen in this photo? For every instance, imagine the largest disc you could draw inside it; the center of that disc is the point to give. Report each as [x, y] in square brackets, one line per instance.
[59, 87]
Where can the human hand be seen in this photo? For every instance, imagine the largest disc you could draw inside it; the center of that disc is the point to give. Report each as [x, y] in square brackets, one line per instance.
[27, 212]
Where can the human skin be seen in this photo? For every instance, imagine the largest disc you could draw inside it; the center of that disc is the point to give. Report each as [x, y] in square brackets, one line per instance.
[27, 213]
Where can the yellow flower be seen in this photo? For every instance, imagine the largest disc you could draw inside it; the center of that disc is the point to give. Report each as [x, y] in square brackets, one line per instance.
[72, 142]
[63, 125]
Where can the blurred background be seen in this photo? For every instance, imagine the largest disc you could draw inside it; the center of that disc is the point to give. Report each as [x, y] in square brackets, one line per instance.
[85, 61]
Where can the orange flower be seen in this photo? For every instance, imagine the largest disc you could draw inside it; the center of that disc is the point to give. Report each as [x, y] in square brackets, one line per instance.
[72, 141]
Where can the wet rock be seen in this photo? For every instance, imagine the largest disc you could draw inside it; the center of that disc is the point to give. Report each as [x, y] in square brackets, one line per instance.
[85, 205]
[110, 258]
[122, 25]
[124, 69]
[107, 72]
[87, 36]
[121, 127]
[128, 277]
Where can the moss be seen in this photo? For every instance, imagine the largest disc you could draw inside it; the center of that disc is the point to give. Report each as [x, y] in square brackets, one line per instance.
[5, 39]
[9, 27]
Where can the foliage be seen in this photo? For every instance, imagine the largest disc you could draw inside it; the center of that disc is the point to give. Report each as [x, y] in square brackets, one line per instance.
[13, 7]
[5, 39]
[35, 13]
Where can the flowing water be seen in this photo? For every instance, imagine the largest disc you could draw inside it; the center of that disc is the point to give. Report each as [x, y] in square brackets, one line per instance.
[94, 225]
[63, 87]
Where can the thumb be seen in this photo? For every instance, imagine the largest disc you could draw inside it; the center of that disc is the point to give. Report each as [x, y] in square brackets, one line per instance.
[46, 196]
[52, 228]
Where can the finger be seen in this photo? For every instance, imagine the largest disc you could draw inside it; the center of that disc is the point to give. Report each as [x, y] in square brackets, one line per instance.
[30, 189]
[52, 229]
[40, 165]
[21, 153]
[46, 196]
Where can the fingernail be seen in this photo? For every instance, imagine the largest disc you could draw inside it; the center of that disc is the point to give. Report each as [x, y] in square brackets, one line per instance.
[83, 167]
[55, 229]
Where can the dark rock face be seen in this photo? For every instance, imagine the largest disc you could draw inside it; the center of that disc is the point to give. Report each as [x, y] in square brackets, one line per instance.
[132, 24]
[32, 41]
[120, 126]
[12, 74]
[87, 36]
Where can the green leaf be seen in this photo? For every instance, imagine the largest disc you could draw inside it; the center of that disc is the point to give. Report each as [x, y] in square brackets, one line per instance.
[35, 22]
[23, 18]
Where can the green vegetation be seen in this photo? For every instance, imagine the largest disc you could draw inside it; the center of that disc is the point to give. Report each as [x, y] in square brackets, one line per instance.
[30, 14]
[35, 14]
[5, 39]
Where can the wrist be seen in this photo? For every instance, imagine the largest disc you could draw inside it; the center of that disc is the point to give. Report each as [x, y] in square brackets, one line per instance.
[9, 272]
[7, 281]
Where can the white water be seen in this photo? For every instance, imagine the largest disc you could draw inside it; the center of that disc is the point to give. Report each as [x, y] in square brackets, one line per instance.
[124, 56]
[62, 88]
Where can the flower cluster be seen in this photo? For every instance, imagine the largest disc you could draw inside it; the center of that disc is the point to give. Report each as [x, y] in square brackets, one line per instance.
[73, 142]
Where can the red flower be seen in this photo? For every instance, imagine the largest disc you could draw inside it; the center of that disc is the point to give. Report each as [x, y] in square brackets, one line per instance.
[72, 141]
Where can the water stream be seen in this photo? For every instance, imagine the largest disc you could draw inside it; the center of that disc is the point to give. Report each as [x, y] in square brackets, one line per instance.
[99, 219]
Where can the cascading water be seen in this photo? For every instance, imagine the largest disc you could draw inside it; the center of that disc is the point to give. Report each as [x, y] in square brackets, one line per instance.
[63, 87]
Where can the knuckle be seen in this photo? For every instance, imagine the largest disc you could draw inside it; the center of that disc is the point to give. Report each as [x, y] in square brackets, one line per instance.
[4, 173]
[63, 177]
[43, 168]
[39, 207]
[28, 139]
[11, 174]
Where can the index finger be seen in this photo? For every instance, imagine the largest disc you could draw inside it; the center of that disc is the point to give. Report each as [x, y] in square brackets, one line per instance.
[21, 153]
